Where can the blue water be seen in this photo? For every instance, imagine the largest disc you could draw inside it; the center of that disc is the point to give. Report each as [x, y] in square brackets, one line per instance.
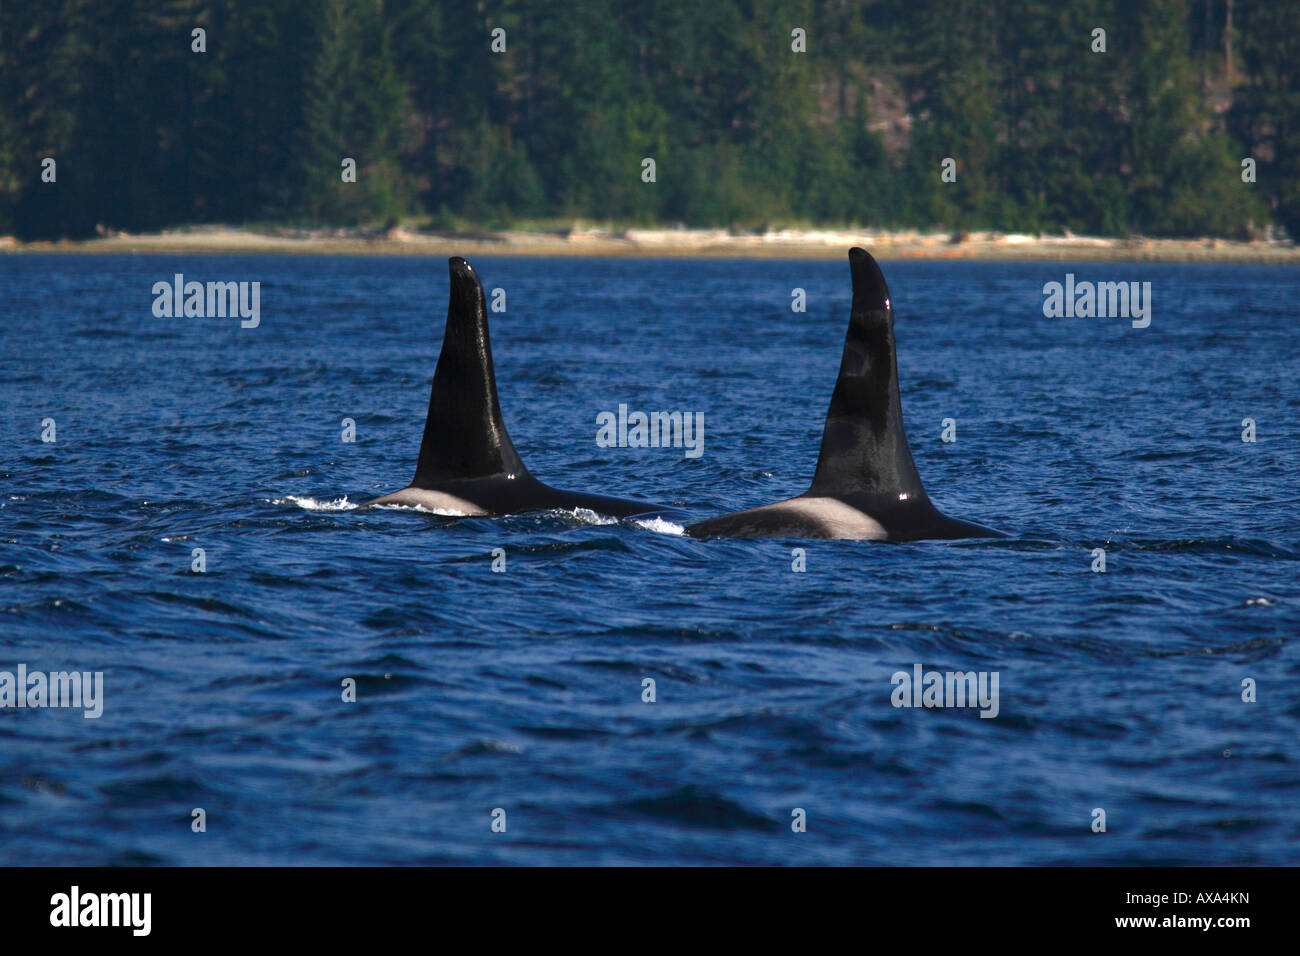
[522, 690]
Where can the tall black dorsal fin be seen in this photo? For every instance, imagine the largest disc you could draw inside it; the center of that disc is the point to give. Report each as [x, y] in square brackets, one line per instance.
[464, 436]
[864, 447]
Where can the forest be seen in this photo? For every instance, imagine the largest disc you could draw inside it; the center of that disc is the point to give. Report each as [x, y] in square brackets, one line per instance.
[1096, 117]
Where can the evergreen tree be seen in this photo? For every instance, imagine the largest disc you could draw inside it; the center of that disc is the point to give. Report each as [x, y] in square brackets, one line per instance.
[1267, 112]
[353, 109]
[1046, 134]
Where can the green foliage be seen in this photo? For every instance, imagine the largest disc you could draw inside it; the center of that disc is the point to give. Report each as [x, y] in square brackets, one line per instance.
[493, 179]
[746, 133]
[353, 109]
[10, 174]
[1266, 118]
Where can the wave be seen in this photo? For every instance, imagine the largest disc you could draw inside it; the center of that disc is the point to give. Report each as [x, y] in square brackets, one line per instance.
[660, 526]
[585, 515]
[308, 503]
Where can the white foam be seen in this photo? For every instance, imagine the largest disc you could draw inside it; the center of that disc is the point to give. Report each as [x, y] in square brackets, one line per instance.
[587, 516]
[307, 503]
[660, 525]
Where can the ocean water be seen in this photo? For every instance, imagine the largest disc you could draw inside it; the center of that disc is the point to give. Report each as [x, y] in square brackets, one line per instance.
[521, 691]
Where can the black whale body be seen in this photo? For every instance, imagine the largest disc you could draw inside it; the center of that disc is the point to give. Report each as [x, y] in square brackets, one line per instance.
[866, 485]
[467, 463]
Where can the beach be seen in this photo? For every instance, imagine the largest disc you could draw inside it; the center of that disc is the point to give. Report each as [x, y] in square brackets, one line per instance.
[669, 243]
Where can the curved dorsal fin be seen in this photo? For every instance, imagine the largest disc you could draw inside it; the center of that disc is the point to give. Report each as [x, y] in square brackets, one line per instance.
[464, 436]
[864, 447]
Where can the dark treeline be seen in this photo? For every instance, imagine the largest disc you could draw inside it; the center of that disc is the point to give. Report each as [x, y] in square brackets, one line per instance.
[1147, 137]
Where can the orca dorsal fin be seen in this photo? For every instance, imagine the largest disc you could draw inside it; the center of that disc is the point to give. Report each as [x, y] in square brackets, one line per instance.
[464, 435]
[864, 447]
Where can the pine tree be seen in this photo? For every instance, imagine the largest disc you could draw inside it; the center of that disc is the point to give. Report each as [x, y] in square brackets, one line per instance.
[1267, 114]
[353, 109]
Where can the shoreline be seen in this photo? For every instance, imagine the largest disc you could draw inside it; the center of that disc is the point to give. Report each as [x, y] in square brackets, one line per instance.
[667, 243]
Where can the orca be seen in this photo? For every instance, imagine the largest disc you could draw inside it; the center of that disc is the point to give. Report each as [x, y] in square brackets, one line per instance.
[467, 463]
[866, 486]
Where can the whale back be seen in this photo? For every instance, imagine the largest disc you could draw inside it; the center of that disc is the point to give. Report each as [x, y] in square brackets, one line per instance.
[864, 450]
[464, 434]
